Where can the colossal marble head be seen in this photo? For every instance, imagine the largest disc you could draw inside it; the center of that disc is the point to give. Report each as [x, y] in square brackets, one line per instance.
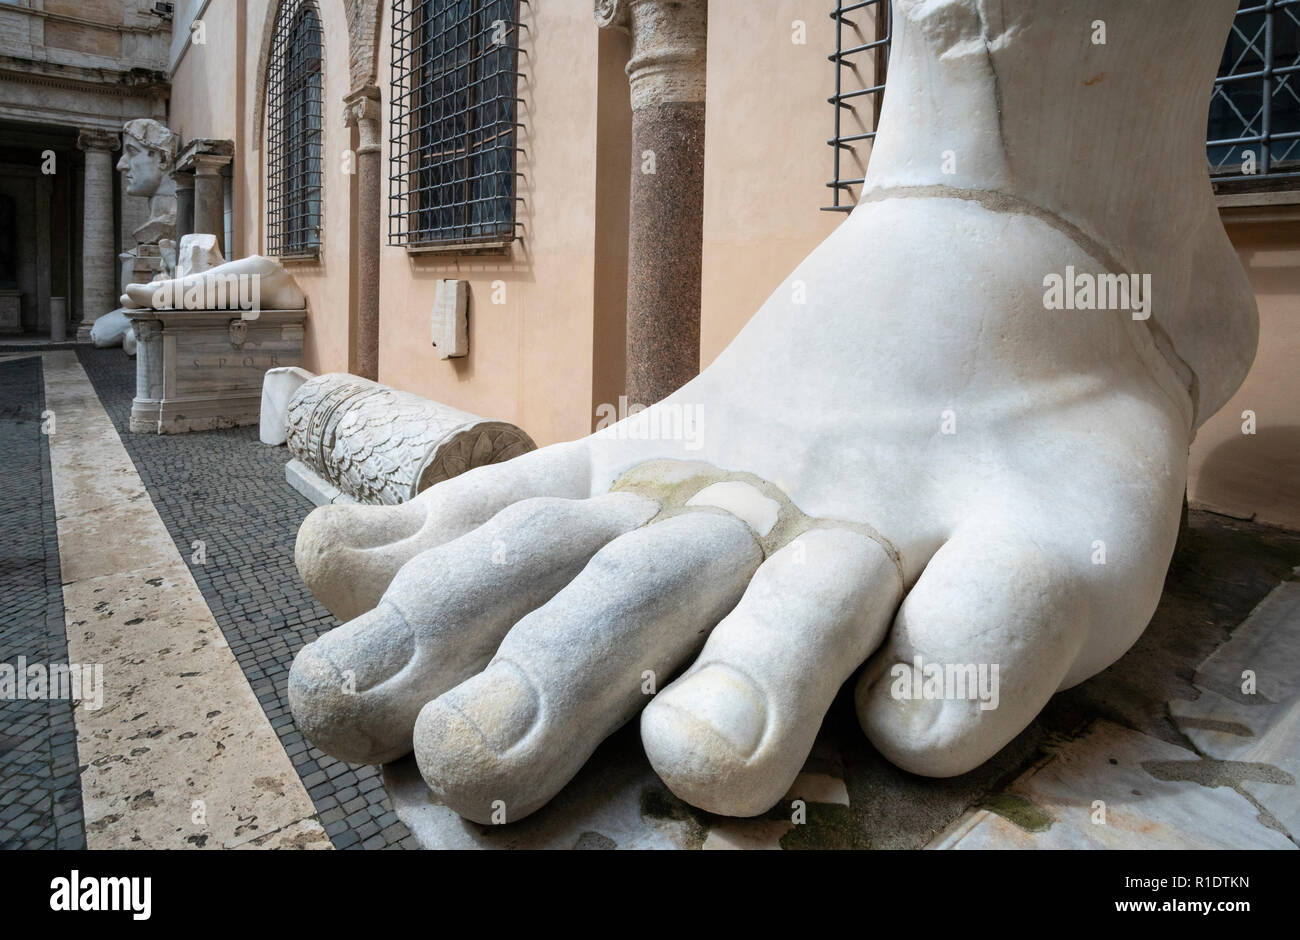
[148, 149]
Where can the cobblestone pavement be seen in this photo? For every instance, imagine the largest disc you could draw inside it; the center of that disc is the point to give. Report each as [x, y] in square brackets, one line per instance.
[40, 796]
[224, 500]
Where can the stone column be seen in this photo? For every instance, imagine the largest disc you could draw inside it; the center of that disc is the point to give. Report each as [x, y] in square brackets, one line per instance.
[184, 204]
[199, 165]
[44, 260]
[149, 375]
[666, 231]
[210, 198]
[361, 108]
[98, 259]
[58, 318]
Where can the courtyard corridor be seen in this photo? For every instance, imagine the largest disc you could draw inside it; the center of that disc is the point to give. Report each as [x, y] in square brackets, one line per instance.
[170, 566]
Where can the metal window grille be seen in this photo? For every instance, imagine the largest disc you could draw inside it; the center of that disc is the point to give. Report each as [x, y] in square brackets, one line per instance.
[293, 125]
[861, 58]
[1254, 122]
[454, 128]
[1254, 130]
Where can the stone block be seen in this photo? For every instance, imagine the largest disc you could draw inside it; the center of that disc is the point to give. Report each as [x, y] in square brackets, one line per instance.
[278, 388]
[197, 253]
[449, 322]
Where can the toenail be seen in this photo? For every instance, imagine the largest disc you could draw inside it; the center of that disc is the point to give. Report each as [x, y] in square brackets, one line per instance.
[500, 702]
[369, 650]
[312, 671]
[725, 701]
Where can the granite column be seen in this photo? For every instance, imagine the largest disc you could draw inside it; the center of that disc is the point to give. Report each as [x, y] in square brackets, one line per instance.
[665, 238]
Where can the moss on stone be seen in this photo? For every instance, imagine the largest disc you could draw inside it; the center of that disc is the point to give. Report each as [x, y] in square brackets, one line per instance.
[1016, 809]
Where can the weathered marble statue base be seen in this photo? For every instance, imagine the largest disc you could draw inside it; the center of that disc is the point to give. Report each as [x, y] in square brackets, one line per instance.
[197, 370]
[356, 441]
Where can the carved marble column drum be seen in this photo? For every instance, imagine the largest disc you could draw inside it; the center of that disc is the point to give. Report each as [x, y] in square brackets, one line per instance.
[665, 239]
[356, 441]
[362, 110]
[99, 291]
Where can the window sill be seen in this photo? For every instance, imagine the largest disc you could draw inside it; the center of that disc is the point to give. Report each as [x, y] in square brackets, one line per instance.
[1245, 208]
[502, 247]
[301, 258]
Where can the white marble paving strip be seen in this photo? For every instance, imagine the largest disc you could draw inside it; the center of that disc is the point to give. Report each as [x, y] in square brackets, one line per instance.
[180, 754]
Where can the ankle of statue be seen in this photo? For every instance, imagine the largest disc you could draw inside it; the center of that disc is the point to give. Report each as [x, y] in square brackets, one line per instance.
[1167, 367]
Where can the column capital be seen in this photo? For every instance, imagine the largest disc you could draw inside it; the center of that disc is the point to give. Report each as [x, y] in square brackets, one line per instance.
[362, 109]
[205, 153]
[209, 164]
[92, 138]
[616, 14]
[669, 40]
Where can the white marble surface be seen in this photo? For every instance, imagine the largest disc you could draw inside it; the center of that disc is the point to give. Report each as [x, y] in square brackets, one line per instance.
[180, 729]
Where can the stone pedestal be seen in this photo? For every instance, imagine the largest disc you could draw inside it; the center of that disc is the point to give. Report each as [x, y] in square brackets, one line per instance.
[202, 369]
[99, 291]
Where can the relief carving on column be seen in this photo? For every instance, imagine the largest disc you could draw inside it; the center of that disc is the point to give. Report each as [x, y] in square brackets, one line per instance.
[613, 13]
[379, 445]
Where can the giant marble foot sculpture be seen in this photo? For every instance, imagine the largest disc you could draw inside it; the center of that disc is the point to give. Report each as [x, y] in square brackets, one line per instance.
[255, 282]
[912, 456]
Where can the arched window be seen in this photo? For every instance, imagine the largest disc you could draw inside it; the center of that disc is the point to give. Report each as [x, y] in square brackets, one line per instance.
[293, 131]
